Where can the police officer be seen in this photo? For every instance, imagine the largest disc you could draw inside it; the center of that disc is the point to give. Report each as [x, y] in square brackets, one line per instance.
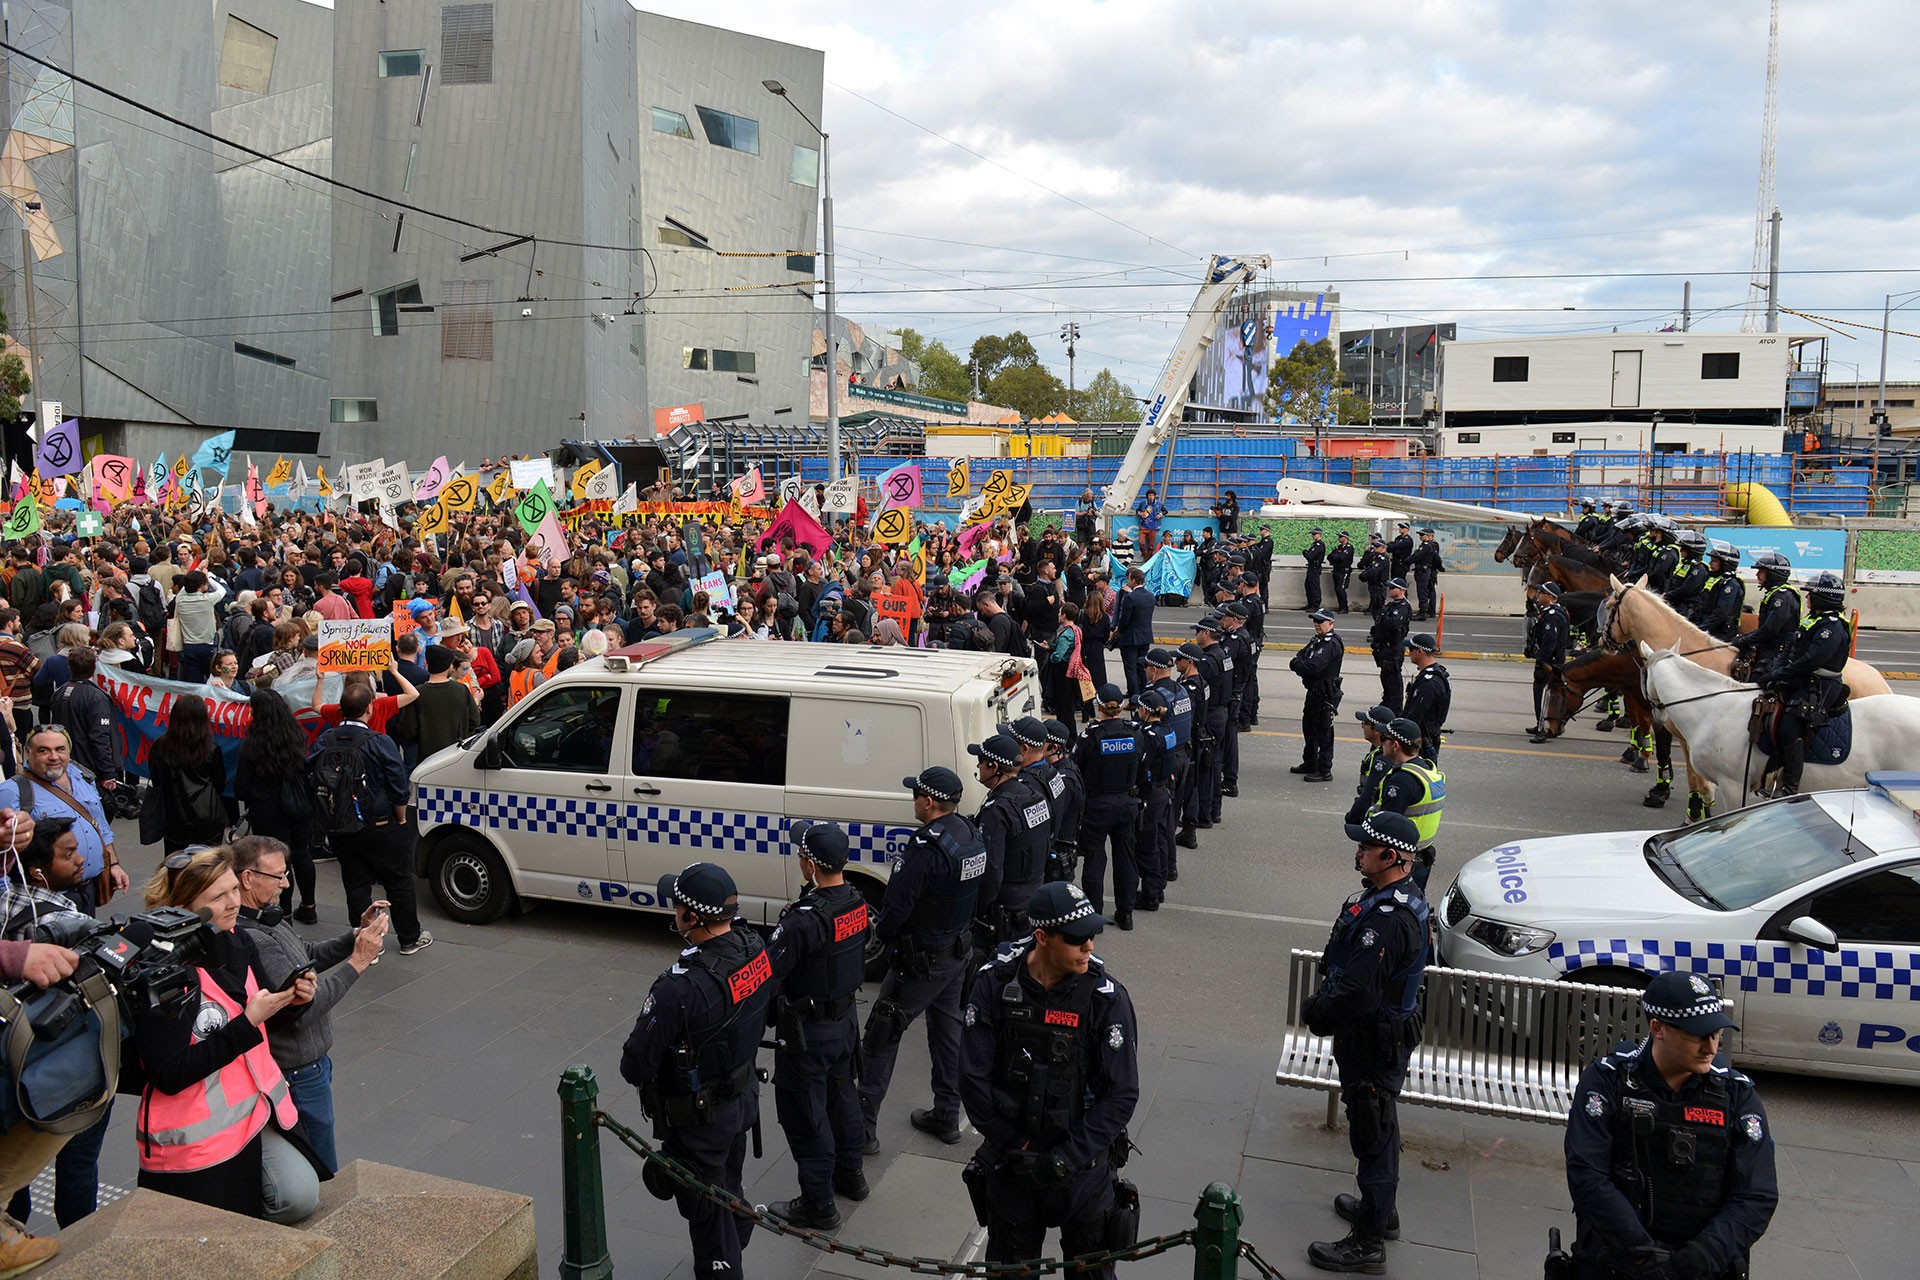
[1669, 1154]
[1237, 646]
[1154, 839]
[1666, 556]
[1547, 637]
[1316, 557]
[1373, 572]
[1388, 638]
[819, 959]
[1400, 552]
[1254, 611]
[1723, 594]
[1178, 719]
[1368, 1002]
[1779, 613]
[1038, 771]
[1689, 575]
[1429, 693]
[1373, 765]
[936, 880]
[1191, 796]
[1109, 756]
[1413, 787]
[1073, 802]
[1052, 1078]
[1427, 568]
[1016, 824]
[1216, 667]
[1260, 564]
[1318, 666]
[1340, 561]
[691, 1054]
[1810, 677]
[1590, 520]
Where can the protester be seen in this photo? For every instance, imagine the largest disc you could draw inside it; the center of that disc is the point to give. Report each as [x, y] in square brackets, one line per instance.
[190, 779]
[270, 779]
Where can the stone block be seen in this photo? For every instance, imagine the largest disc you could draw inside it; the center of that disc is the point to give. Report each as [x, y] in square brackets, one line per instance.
[158, 1237]
[388, 1221]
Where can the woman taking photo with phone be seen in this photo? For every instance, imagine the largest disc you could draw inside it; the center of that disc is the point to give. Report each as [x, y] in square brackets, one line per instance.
[216, 1121]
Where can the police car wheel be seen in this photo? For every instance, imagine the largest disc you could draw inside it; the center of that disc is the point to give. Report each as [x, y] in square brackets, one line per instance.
[469, 880]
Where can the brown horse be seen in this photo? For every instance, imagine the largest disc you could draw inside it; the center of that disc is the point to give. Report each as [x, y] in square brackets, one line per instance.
[1618, 670]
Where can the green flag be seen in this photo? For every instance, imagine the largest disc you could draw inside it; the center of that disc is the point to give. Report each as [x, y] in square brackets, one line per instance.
[24, 520]
[533, 507]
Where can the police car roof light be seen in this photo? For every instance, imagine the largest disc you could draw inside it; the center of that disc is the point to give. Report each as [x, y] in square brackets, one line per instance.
[634, 656]
[1901, 787]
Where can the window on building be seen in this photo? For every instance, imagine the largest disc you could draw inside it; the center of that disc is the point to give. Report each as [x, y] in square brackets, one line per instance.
[263, 355]
[466, 44]
[1719, 364]
[246, 56]
[351, 410]
[681, 238]
[413, 154]
[1563, 437]
[665, 121]
[1899, 404]
[733, 361]
[806, 167]
[1510, 368]
[801, 262]
[711, 735]
[466, 320]
[1467, 437]
[736, 133]
[566, 731]
[402, 62]
[386, 304]
[637, 341]
[694, 358]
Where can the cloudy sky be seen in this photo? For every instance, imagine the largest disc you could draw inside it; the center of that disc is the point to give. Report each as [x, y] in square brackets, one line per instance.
[1094, 153]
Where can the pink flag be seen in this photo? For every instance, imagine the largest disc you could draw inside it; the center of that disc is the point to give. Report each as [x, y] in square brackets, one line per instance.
[794, 522]
[751, 489]
[971, 535]
[900, 487]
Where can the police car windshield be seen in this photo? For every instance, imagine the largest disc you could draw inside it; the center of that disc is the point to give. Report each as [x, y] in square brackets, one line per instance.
[1747, 856]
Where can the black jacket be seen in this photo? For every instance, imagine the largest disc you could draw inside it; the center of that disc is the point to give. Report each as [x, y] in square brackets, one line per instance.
[86, 712]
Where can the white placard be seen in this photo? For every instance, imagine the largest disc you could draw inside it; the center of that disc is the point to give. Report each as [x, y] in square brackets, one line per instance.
[524, 475]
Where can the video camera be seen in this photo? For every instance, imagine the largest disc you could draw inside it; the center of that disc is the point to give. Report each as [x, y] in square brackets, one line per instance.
[148, 959]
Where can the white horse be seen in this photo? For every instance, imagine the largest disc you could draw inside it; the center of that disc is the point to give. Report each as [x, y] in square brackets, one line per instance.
[1711, 712]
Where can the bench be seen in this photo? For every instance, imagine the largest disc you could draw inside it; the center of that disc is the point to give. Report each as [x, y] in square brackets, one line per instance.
[1493, 1045]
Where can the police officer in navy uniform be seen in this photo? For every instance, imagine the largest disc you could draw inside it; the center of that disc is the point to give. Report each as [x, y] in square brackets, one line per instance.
[1238, 648]
[1318, 666]
[1689, 575]
[1400, 552]
[1071, 812]
[1547, 636]
[1590, 522]
[1374, 765]
[1316, 558]
[1368, 1002]
[691, 1054]
[1216, 666]
[1153, 848]
[819, 959]
[1669, 1153]
[930, 901]
[1052, 1078]
[1254, 611]
[1109, 755]
[1178, 719]
[1388, 640]
[1779, 613]
[1429, 693]
[1810, 677]
[1373, 572]
[1340, 562]
[1030, 732]
[1016, 824]
[1427, 568]
[1190, 795]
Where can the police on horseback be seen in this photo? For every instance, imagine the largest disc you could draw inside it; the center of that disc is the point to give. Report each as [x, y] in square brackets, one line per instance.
[1052, 1078]
[1429, 693]
[1318, 666]
[819, 960]
[1669, 1155]
[1547, 636]
[1809, 677]
[1723, 594]
[1689, 575]
[1779, 614]
[691, 1054]
[1369, 1002]
[937, 880]
[1666, 555]
[1592, 522]
[1412, 786]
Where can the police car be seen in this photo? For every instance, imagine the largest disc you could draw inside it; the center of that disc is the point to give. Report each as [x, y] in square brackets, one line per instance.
[1806, 911]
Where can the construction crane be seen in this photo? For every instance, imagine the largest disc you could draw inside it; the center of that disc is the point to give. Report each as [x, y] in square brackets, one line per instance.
[1766, 216]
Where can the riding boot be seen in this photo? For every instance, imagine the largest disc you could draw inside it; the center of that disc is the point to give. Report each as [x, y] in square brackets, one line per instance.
[1792, 757]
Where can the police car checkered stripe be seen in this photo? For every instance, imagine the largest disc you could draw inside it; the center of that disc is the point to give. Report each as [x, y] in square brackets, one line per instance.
[1775, 968]
[677, 826]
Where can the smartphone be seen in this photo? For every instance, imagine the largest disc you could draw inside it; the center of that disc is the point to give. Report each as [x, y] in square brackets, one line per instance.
[294, 977]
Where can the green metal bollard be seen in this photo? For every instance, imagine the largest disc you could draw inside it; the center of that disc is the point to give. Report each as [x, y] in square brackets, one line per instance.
[585, 1257]
[1216, 1240]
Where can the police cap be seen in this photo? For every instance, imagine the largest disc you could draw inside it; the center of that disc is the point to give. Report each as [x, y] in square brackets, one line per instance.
[1405, 525]
[1424, 643]
[1191, 652]
[1209, 623]
[938, 783]
[1392, 830]
[1249, 580]
[1314, 532]
[702, 888]
[1396, 584]
[1236, 609]
[997, 749]
[1028, 731]
[1063, 908]
[1161, 657]
[1550, 589]
[1378, 717]
[1403, 731]
[1321, 615]
[823, 843]
[1152, 700]
[1110, 695]
[1237, 557]
[1058, 734]
[1687, 1001]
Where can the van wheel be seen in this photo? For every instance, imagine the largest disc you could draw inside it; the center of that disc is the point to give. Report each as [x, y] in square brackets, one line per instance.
[469, 880]
[877, 951]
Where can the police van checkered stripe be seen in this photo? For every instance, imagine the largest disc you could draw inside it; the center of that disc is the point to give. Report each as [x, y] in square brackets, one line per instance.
[676, 826]
[1775, 968]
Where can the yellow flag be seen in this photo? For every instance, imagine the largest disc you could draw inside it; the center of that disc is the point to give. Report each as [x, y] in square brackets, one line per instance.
[454, 610]
[180, 468]
[582, 476]
[500, 487]
[434, 521]
[958, 480]
[460, 493]
[281, 473]
[50, 490]
[893, 526]
[326, 485]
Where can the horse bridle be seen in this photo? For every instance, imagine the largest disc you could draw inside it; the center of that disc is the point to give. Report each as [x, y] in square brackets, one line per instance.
[1613, 615]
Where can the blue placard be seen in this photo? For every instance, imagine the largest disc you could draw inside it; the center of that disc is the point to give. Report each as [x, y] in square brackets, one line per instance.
[1810, 550]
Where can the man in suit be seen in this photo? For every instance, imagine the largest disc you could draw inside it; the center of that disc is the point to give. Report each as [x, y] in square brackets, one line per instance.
[1133, 629]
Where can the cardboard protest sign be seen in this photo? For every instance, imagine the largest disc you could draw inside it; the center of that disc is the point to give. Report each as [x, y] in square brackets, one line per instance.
[356, 644]
[716, 586]
[531, 471]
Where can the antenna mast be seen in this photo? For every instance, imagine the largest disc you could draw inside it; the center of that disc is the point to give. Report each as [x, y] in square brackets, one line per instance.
[1757, 288]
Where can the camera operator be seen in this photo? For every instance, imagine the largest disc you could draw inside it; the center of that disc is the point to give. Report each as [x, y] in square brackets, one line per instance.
[209, 1068]
[301, 1038]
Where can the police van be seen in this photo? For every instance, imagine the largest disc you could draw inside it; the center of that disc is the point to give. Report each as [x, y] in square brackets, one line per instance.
[697, 749]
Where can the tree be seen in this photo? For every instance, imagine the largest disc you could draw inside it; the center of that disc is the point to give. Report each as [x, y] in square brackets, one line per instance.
[1107, 399]
[992, 354]
[14, 382]
[943, 374]
[1355, 408]
[1300, 384]
[1030, 388]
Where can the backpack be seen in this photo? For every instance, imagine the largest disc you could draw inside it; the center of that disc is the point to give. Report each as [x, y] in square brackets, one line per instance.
[152, 610]
[1062, 645]
[342, 787]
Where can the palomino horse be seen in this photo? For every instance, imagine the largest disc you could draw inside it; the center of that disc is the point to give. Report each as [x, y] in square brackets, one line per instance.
[1619, 670]
[1712, 711]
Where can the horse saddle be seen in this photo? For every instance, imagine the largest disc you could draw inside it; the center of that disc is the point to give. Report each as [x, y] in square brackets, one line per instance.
[1828, 735]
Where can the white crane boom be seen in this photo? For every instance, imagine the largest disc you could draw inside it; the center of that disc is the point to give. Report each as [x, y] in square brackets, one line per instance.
[1224, 274]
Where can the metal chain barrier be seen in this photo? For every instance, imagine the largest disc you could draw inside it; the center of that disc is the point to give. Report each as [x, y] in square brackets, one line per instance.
[883, 1257]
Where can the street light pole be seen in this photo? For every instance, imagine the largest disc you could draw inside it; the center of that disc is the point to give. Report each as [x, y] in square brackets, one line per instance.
[1886, 322]
[826, 230]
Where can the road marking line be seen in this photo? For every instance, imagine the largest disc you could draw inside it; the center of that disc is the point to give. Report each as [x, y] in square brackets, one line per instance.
[1449, 823]
[1238, 915]
[1505, 751]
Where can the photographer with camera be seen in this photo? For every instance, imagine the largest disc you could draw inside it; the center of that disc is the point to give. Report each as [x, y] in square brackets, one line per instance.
[300, 1040]
[217, 1122]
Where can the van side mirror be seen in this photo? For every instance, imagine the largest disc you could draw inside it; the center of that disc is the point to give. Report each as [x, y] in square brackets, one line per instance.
[491, 757]
[1810, 931]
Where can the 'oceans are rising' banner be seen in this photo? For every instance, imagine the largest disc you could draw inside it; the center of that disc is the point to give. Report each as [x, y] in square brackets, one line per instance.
[143, 705]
